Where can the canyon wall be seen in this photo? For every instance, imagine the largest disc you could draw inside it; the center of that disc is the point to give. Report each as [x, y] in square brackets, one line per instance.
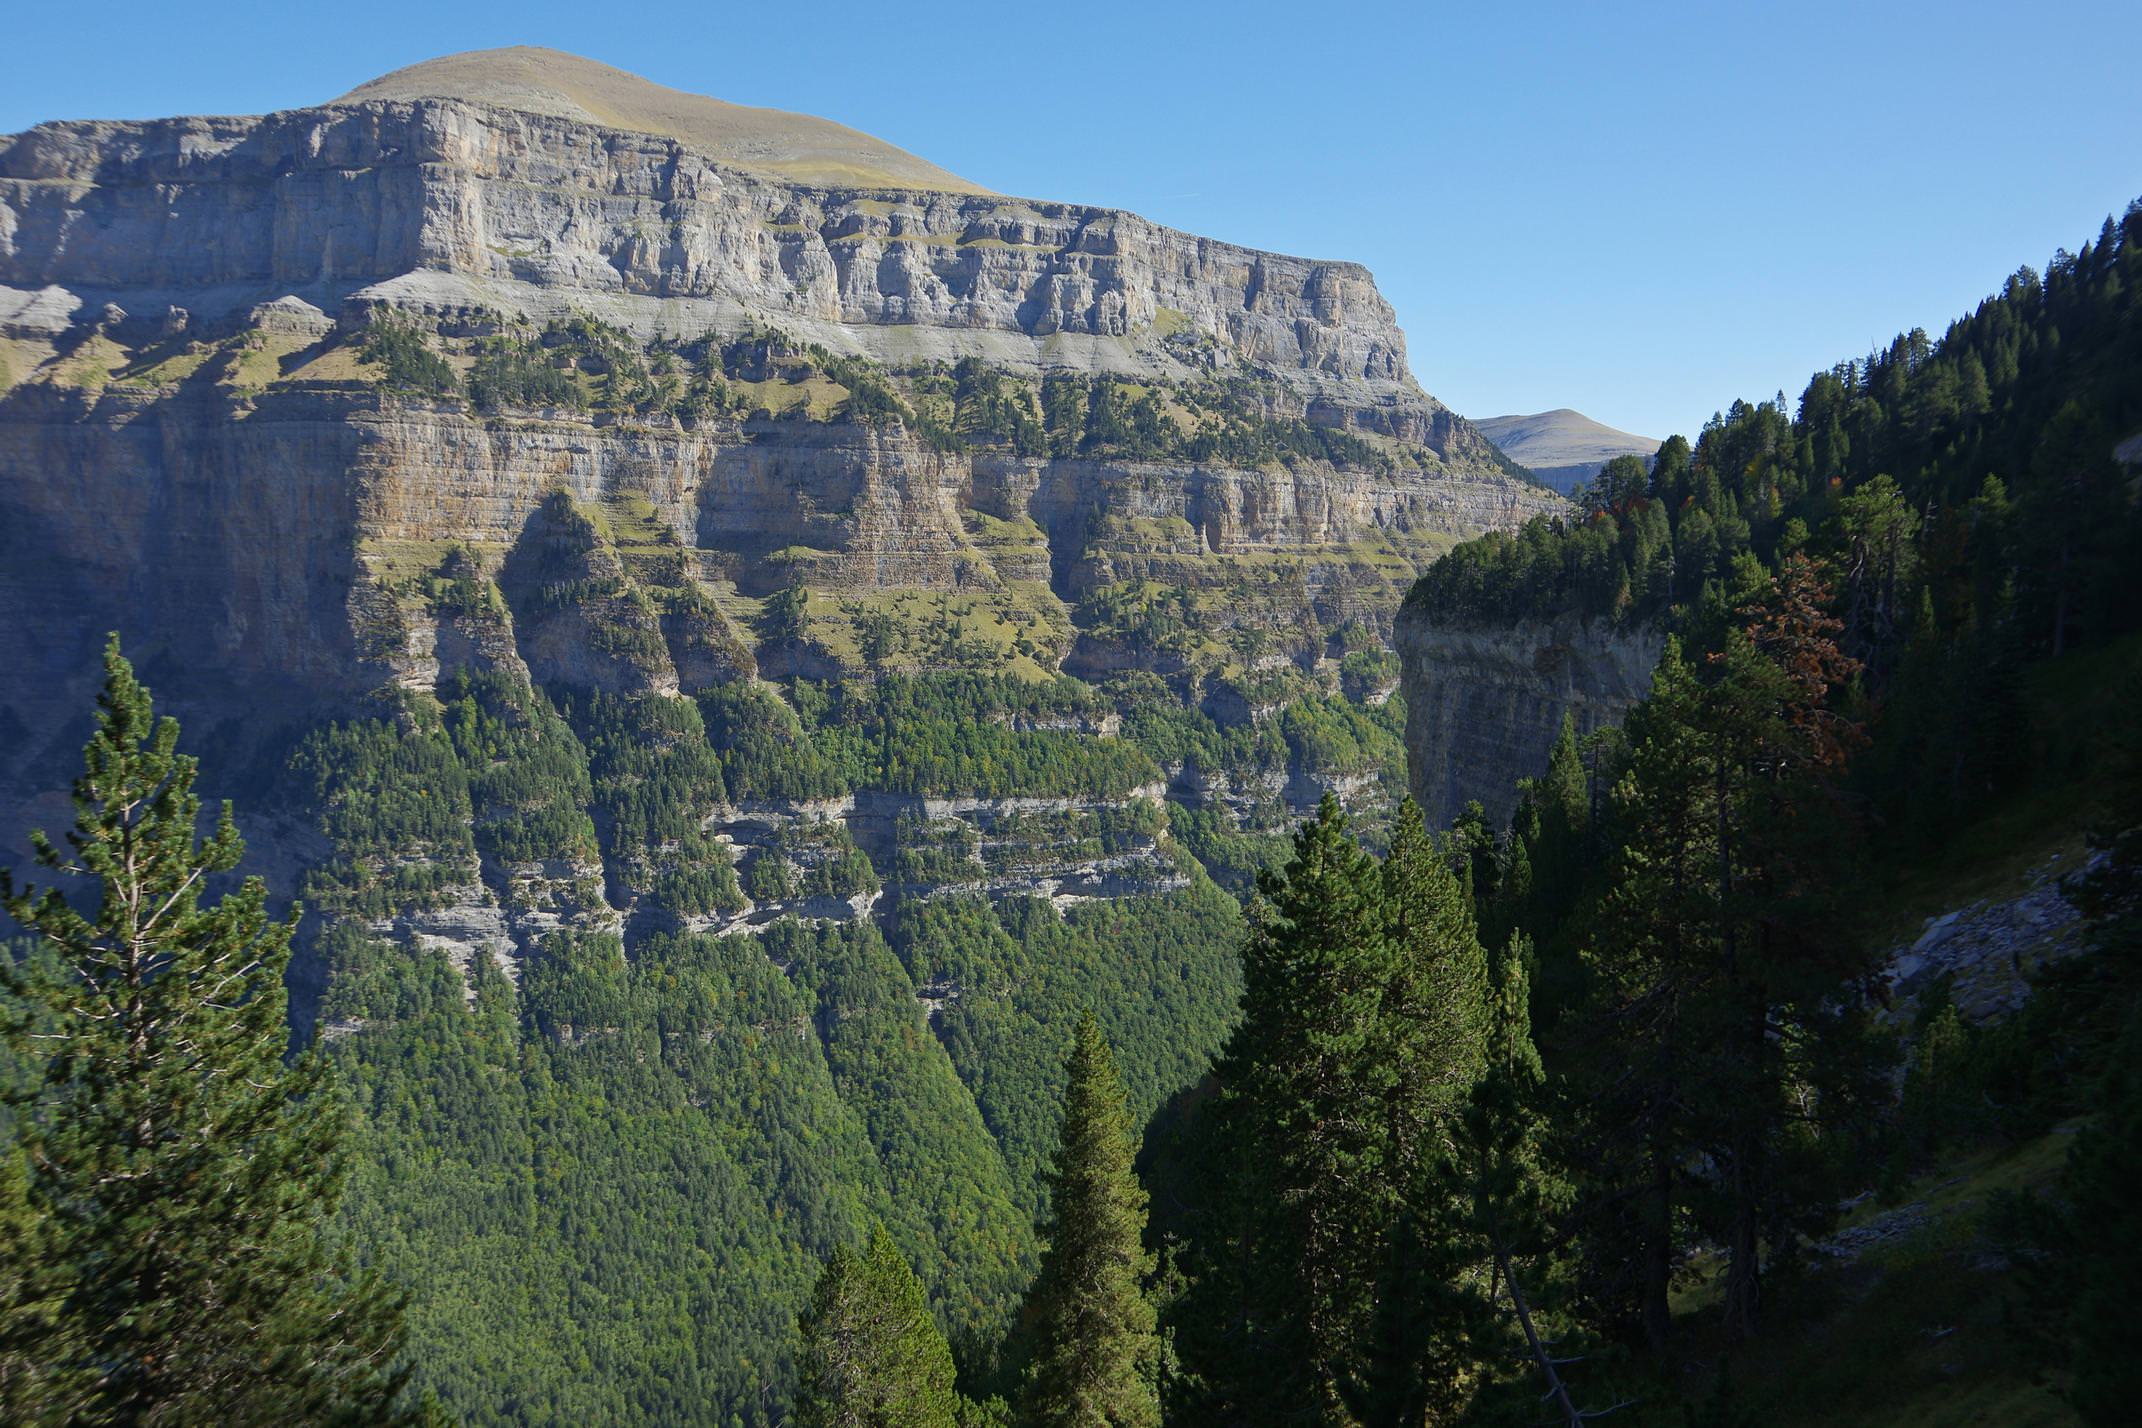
[1484, 703]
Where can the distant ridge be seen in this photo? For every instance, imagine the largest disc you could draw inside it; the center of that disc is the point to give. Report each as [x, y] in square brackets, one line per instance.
[1562, 447]
[795, 147]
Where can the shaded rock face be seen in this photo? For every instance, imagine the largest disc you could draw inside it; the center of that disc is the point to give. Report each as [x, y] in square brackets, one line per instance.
[1985, 953]
[228, 545]
[1484, 704]
[257, 543]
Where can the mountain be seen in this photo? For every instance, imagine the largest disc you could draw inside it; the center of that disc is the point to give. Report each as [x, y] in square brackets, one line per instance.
[737, 636]
[1564, 448]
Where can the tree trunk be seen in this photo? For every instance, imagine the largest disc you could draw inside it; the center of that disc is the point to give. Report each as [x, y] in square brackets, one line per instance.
[1658, 1255]
[1744, 1289]
[1558, 1391]
[1744, 1284]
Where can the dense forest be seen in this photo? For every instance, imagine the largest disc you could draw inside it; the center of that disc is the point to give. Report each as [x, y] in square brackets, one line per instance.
[787, 1123]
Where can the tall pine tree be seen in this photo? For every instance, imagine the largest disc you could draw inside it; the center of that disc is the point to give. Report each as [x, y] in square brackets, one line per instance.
[1717, 1028]
[1503, 1194]
[1305, 1111]
[1648, 941]
[177, 1174]
[1362, 1029]
[1096, 1351]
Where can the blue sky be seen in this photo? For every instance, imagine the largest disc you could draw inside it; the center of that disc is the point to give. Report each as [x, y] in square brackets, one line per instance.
[1639, 210]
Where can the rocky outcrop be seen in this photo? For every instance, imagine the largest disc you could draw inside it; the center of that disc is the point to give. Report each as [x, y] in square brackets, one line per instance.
[1983, 954]
[581, 623]
[1484, 703]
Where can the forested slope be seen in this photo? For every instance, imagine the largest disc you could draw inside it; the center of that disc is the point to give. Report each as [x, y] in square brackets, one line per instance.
[1900, 661]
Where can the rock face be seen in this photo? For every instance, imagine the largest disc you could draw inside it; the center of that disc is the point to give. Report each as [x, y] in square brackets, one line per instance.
[256, 543]
[1985, 953]
[1485, 703]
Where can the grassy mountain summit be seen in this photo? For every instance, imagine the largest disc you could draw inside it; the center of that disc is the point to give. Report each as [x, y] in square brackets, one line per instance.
[797, 147]
[1564, 448]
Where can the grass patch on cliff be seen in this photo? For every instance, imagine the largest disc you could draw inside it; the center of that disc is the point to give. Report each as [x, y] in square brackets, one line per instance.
[1145, 534]
[816, 397]
[1020, 629]
[405, 564]
[19, 358]
[338, 364]
[928, 240]
[164, 366]
[990, 241]
[88, 367]
[632, 524]
[256, 359]
[1018, 541]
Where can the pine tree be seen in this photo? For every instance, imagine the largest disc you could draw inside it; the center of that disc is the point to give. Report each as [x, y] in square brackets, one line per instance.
[1433, 1012]
[2102, 1337]
[1784, 853]
[1717, 953]
[1410, 1371]
[1497, 1176]
[27, 1287]
[1649, 930]
[1563, 798]
[1097, 1351]
[1362, 1029]
[179, 1173]
[872, 1357]
[1303, 1110]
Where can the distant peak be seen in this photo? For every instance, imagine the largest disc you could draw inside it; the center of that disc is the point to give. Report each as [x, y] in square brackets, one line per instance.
[799, 148]
[1562, 437]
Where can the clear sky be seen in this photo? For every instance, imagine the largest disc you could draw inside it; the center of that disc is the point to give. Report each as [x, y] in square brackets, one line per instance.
[1641, 210]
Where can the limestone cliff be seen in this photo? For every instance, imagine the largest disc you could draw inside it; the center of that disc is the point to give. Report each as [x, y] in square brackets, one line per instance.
[205, 443]
[1485, 702]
